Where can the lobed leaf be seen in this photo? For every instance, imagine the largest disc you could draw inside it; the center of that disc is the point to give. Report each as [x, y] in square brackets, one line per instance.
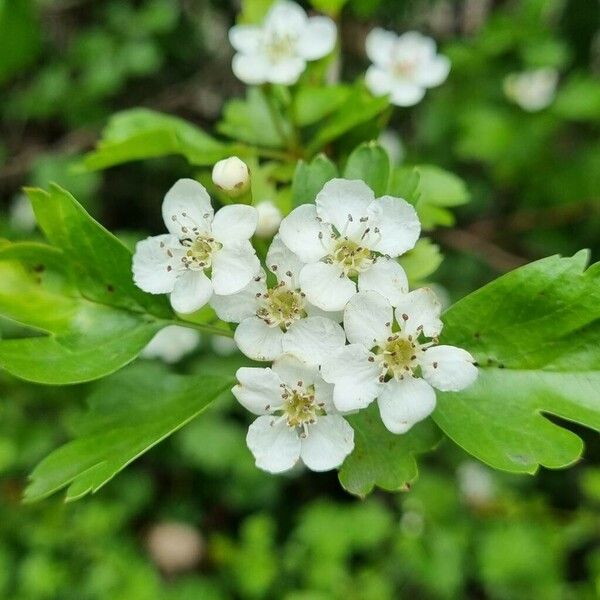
[129, 413]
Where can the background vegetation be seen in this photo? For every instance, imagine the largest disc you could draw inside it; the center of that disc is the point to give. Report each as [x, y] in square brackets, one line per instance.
[462, 531]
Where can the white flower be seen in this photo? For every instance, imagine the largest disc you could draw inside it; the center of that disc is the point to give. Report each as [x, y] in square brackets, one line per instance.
[532, 90]
[350, 235]
[172, 343]
[403, 66]
[223, 346]
[277, 51]
[20, 214]
[395, 364]
[269, 218]
[202, 251]
[297, 419]
[231, 175]
[392, 144]
[272, 319]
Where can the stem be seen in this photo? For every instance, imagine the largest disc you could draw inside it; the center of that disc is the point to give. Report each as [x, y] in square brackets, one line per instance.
[210, 329]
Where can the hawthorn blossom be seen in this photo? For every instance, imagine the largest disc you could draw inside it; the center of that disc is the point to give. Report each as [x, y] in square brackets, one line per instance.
[232, 176]
[394, 361]
[203, 252]
[172, 343]
[270, 318]
[349, 239]
[277, 51]
[532, 90]
[296, 417]
[269, 218]
[403, 66]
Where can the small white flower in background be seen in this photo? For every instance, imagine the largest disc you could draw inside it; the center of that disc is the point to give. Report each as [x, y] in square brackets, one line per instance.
[350, 234]
[476, 483]
[269, 218]
[392, 144]
[394, 362]
[232, 176]
[403, 66]
[532, 90]
[270, 319]
[277, 51]
[297, 419]
[223, 346]
[202, 252]
[172, 343]
[20, 214]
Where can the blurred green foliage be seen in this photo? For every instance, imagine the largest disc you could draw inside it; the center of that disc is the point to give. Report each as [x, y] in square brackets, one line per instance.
[534, 182]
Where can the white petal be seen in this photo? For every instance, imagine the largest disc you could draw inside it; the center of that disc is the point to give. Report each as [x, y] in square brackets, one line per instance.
[257, 340]
[414, 46]
[286, 71]
[325, 286]
[245, 38]
[404, 403]
[398, 225]
[252, 69]
[379, 82]
[284, 263]
[433, 72]
[304, 235]
[447, 368]
[187, 206]
[295, 372]
[328, 443]
[406, 93]
[368, 319]
[420, 308]
[285, 17]
[276, 447]
[355, 378]
[234, 223]
[154, 271]
[313, 339]
[387, 278]
[343, 203]
[317, 38]
[233, 266]
[192, 291]
[315, 311]
[171, 344]
[380, 46]
[258, 389]
[234, 308]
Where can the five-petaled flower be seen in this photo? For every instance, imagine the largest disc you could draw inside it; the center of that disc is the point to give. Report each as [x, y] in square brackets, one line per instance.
[394, 360]
[270, 318]
[277, 51]
[297, 418]
[203, 252]
[532, 90]
[403, 66]
[349, 235]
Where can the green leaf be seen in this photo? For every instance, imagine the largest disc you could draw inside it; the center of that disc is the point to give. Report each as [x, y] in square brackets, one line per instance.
[331, 7]
[129, 413]
[255, 120]
[359, 108]
[420, 262]
[370, 163]
[535, 333]
[579, 99]
[381, 458]
[313, 103]
[310, 178]
[404, 183]
[79, 339]
[140, 133]
[254, 11]
[101, 263]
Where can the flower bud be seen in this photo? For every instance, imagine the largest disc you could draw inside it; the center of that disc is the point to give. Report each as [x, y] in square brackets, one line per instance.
[232, 176]
[269, 218]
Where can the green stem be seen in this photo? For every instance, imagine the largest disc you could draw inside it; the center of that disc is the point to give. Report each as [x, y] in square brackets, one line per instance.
[209, 329]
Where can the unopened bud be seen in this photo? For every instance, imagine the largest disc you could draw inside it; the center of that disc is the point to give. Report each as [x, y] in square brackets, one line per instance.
[269, 218]
[232, 176]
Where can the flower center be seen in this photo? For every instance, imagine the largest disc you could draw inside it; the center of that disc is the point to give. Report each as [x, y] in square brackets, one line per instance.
[199, 252]
[398, 357]
[281, 306]
[403, 68]
[351, 256]
[280, 47]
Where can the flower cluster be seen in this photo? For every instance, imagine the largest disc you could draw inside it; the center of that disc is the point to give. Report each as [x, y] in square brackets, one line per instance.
[330, 309]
